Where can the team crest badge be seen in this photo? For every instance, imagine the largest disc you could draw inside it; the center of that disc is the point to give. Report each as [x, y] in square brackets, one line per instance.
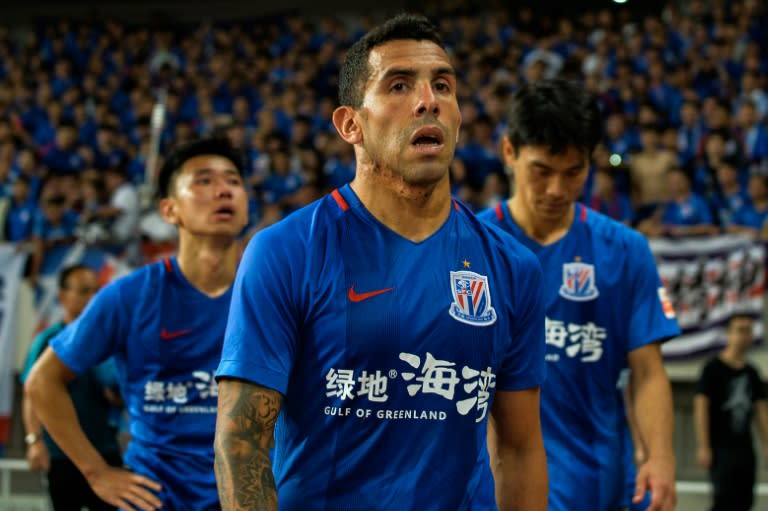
[579, 282]
[471, 299]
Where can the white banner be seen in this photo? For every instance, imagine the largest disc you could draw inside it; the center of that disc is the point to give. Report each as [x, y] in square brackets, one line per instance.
[708, 279]
[11, 268]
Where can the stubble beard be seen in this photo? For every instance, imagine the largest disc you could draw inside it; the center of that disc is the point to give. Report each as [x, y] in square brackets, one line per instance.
[408, 174]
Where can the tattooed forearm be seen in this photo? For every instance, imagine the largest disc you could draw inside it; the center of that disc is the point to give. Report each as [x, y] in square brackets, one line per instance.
[244, 428]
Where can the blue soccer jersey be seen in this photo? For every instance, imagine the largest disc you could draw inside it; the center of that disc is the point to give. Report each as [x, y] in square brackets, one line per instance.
[388, 353]
[604, 298]
[166, 337]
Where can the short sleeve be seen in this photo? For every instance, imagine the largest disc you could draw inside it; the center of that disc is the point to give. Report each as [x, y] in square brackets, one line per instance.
[523, 364]
[97, 333]
[652, 317]
[260, 341]
[706, 381]
[759, 386]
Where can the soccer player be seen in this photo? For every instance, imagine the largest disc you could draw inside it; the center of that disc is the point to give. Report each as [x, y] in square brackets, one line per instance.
[375, 330]
[606, 308]
[164, 324]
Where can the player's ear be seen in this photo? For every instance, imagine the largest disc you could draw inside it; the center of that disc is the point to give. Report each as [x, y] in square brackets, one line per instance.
[508, 154]
[168, 210]
[346, 123]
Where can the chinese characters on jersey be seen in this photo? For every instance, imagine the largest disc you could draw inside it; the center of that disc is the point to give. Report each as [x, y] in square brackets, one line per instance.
[430, 376]
[583, 341]
[166, 392]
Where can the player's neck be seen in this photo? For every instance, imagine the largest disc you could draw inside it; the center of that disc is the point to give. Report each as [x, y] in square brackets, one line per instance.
[209, 264]
[733, 357]
[541, 230]
[413, 212]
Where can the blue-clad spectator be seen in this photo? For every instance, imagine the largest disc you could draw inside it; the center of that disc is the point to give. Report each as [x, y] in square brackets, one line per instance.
[480, 154]
[27, 164]
[619, 139]
[690, 132]
[731, 195]
[751, 133]
[752, 91]
[664, 96]
[64, 157]
[752, 216]
[339, 169]
[607, 199]
[281, 185]
[52, 233]
[42, 126]
[106, 153]
[686, 213]
[21, 213]
[705, 172]
[62, 78]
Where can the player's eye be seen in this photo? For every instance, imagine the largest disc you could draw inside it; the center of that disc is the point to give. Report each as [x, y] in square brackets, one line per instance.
[398, 87]
[442, 87]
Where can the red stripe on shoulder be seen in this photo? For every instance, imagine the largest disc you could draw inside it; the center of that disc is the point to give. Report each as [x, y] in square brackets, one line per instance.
[499, 212]
[168, 265]
[339, 199]
[583, 212]
[456, 205]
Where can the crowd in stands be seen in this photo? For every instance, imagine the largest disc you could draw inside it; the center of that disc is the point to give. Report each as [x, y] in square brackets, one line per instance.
[683, 92]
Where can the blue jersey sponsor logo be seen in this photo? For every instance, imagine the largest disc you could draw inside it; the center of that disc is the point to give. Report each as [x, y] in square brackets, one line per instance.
[471, 299]
[579, 282]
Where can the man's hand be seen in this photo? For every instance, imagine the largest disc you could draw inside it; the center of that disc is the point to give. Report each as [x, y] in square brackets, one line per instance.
[657, 475]
[704, 457]
[125, 489]
[37, 456]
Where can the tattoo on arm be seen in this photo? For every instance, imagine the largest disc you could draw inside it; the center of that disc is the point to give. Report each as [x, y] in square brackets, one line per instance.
[244, 428]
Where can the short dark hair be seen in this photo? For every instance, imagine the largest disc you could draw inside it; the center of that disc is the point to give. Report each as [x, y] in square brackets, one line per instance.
[355, 70]
[720, 132]
[554, 113]
[649, 126]
[119, 169]
[69, 270]
[178, 156]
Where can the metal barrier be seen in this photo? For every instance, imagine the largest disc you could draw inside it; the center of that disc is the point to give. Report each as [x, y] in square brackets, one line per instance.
[705, 488]
[10, 501]
[40, 501]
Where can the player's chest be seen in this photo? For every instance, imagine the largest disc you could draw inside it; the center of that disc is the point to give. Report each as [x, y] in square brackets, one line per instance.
[179, 332]
[585, 295]
[582, 274]
[443, 302]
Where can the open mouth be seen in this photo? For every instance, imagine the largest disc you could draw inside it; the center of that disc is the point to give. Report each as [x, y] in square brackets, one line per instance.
[429, 136]
[225, 212]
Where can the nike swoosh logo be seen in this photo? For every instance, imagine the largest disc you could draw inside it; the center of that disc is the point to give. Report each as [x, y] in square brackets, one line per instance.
[359, 297]
[167, 336]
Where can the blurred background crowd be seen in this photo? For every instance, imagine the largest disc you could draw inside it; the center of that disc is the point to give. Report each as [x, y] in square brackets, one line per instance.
[683, 91]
